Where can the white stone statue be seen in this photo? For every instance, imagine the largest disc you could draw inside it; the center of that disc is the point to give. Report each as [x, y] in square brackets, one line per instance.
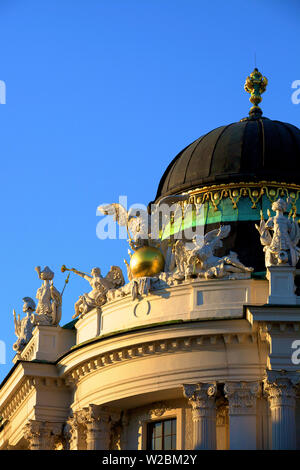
[100, 286]
[137, 226]
[48, 311]
[201, 260]
[279, 236]
[185, 260]
[24, 327]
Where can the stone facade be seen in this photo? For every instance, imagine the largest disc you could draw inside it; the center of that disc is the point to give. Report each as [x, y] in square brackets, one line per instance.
[210, 353]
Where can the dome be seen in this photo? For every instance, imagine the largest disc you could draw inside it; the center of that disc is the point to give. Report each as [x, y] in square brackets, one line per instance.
[251, 150]
[232, 175]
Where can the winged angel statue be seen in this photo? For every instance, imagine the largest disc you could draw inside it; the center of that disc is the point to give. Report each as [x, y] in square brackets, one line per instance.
[137, 226]
[100, 286]
[279, 237]
[202, 260]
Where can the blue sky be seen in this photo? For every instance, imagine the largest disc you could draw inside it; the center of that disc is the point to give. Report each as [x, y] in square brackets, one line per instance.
[101, 95]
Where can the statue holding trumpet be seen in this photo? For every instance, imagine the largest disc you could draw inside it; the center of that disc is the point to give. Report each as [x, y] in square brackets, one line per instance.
[100, 286]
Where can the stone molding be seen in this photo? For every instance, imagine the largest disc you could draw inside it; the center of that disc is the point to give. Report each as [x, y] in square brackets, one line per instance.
[17, 399]
[242, 397]
[29, 351]
[29, 384]
[151, 348]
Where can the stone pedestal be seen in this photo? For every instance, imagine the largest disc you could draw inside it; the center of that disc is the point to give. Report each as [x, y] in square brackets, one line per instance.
[281, 393]
[48, 343]
[242, 398]
[281, 285]
[202, 398]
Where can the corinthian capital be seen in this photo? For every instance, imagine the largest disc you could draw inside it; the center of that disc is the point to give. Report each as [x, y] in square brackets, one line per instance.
[281, 388]
[242, 396]
[201, 395]
[41, 435]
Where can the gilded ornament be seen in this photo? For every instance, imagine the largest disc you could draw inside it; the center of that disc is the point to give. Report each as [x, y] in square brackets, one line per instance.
[255, 84]
[147, 261]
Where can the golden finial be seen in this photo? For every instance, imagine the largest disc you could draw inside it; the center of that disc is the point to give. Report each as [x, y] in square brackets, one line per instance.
[256, 85]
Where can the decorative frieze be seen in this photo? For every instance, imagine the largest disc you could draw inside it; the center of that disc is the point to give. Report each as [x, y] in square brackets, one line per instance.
[166, 346]
[29, 384]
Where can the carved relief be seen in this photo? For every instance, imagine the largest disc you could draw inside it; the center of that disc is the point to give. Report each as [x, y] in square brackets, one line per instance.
[42, 435]
[242, 397]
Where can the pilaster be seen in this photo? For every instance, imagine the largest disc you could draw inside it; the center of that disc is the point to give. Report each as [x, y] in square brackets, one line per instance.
[242, 398]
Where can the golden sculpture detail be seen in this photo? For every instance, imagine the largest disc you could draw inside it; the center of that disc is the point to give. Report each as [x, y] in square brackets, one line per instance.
[255, 84]
[147, 261]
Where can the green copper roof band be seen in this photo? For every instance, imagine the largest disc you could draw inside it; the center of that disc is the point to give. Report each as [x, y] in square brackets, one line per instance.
[225, 213]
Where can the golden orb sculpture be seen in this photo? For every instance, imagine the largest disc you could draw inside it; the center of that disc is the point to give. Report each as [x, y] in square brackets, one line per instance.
[147, 261]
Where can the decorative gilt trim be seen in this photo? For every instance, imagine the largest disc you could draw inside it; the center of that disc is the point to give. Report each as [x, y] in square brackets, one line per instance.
[159, 347]
[235, 191]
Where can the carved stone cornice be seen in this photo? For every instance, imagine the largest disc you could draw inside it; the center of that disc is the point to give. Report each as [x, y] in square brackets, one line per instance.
[28, 384]
[151, 348]
[17, 399]
[242, 397]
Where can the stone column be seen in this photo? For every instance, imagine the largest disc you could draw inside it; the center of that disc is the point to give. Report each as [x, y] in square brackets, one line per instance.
[202, 398]
[98, 427]
[281, 393]
[242, 398]
[71, 433]
[42, 435]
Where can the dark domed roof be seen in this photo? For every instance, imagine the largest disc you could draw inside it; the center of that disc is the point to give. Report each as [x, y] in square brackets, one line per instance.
[250, 150]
